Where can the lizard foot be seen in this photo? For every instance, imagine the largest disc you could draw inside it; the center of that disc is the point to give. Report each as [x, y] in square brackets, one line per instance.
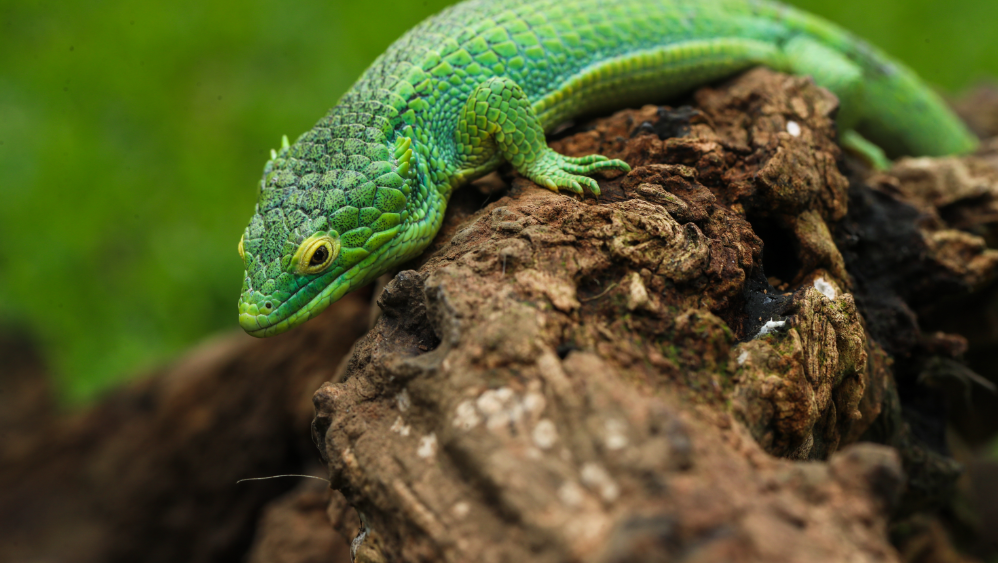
[869, 152]
[499, 114]
[555, 171]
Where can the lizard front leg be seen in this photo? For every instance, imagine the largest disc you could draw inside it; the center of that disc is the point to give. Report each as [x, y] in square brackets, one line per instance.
[498, 118]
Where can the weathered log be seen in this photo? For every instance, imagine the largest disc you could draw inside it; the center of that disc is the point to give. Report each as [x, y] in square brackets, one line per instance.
[629, 379]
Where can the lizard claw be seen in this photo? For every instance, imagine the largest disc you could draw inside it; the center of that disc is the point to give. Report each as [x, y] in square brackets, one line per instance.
[555, 171]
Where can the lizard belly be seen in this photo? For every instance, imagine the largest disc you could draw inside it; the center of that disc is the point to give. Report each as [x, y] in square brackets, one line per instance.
[651, 75]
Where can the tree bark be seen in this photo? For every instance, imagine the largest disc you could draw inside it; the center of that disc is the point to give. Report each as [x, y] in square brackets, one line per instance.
[681, 370]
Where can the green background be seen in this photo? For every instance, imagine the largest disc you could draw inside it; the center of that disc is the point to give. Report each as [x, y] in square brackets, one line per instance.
[133, 134]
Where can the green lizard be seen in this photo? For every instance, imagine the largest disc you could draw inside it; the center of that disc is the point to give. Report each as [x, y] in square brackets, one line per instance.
[480, 83]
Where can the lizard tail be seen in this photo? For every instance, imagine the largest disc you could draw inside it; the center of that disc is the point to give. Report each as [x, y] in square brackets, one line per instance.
[883, 100]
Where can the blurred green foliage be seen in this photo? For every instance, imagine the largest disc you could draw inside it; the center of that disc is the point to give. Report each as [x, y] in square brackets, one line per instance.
[133, 134]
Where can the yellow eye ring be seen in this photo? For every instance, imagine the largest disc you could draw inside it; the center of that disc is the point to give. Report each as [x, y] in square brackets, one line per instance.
[242, 252]
[316, 253]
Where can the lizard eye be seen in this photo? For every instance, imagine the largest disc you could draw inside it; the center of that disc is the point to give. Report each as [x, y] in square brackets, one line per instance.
[319, 256]
[316, 254]
[242, 253]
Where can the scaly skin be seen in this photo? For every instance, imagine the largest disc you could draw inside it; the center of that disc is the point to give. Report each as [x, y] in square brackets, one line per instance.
[478, 84]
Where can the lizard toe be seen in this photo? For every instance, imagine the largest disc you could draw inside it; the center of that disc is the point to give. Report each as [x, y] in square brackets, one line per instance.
[570, 173]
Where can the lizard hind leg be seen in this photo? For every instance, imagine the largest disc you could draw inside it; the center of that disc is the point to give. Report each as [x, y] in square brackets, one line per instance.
[844, 78]
[829, 69]
[864, 149]
[498, 117]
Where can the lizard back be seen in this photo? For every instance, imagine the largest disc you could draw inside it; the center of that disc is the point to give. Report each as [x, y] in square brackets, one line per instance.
[480, 82]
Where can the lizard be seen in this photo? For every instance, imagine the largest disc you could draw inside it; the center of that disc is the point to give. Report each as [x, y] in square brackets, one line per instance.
[480, 83]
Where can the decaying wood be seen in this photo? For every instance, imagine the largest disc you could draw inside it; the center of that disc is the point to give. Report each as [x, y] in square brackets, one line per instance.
[626, 380]
[724, 358]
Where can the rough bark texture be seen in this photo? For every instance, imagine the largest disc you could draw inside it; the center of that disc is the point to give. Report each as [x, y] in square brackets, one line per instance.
[568, 379]
[748, 349]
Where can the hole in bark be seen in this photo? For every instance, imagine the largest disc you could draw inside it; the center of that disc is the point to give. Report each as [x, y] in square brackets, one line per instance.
[563, 349]
[429, 342]
[779, 251]
[672, 122]
[320, 425]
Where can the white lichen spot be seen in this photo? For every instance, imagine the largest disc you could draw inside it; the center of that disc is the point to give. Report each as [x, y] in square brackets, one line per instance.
[743, 357]
[597, 478]
[545, 434]
[793, 128]
[826, 288]
[466, 416]
[500, 408]
[616, 434]
[358, 541]
[637, 294]
[461, 509]
[400, 427]
[769, 327]
[427, 446]
[488, 403]
[571, 494]
[403, 400]
[503, 410]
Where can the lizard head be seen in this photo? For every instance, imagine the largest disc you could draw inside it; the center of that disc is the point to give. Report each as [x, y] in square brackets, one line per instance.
[328, 211]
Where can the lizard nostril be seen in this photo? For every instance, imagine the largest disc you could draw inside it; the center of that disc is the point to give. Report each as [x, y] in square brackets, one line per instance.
[267, 305]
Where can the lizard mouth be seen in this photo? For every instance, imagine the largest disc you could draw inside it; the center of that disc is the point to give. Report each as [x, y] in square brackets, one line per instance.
[260, 325]
[254, 319]
[261, 321]
[262, 315]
